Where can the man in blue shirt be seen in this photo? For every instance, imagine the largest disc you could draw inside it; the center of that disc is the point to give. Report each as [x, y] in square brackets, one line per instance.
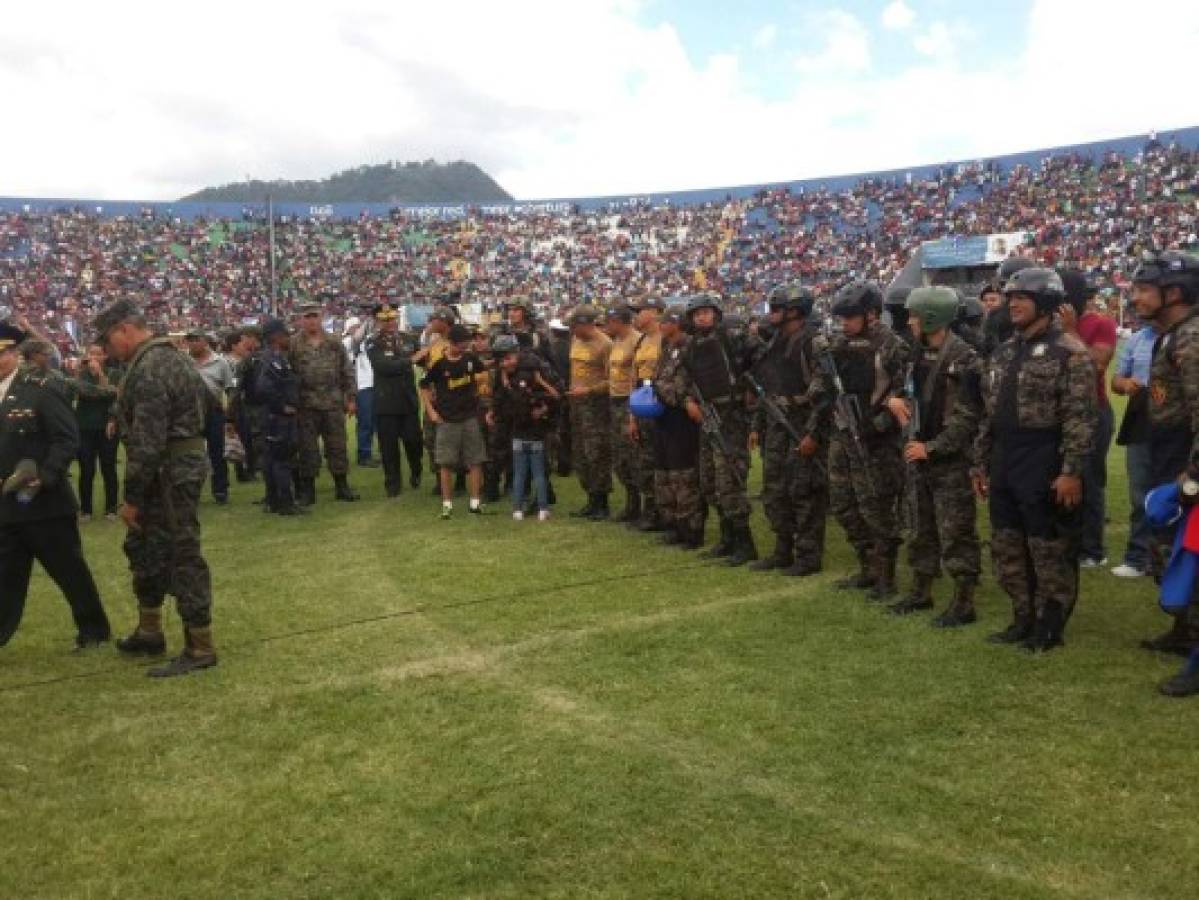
[1131, 378]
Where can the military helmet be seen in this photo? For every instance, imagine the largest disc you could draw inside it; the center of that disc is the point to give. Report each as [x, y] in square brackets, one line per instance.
[857, 298]
[584, 314]
[1011, 266]
[1043, 285]
[935, 307]
[1172, 268]
[705, 300]
[792, 296]
[897, 296]
[970, 309]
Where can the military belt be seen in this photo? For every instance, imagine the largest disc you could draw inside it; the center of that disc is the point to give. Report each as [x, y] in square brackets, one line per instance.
[183, 446]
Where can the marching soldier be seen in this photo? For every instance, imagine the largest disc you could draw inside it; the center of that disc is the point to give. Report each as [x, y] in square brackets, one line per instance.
[327, 394]
[160, 414]
[1039, 424]
[591, 445]
[794, 474]
[945, 404]
[714, 363]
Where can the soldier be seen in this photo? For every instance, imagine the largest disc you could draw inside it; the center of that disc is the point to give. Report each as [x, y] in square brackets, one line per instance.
[327, 394]
[794, 475]
[865, 472]
[944, 392]
[38, 440]
[645, 366]
[397, 406]
[714, 362]
[39, 360]
[522, 325]
[278, 389]
[160, 414]
[1038, 427]
[591, 445]
[676, 443]
[245, 410]
[1165, 292]
[895, 304]
[621, 380]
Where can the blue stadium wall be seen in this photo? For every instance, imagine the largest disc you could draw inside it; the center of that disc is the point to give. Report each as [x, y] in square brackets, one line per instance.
[1187, 137]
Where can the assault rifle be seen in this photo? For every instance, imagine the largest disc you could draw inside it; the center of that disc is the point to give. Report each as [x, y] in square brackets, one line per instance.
[847, 416]
[713, 431]
[772, 409]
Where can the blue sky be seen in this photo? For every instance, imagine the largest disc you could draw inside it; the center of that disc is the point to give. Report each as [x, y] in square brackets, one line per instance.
[561, 98]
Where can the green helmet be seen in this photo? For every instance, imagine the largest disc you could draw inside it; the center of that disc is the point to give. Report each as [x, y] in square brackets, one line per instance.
[585, 314]
[792, 296]
[935, 307]
[707, 300]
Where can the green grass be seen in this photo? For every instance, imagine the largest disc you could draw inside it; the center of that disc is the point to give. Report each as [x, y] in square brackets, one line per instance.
[411, 708]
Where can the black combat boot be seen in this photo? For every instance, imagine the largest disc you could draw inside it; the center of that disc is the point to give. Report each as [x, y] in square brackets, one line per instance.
[672, 534]
[802, 568]
[862, 580]
[781, 558]
[147, 639]
[1186, 682]
[724, 545]
[920, 597]
[632, 508]
[650, 520]
[306, 493]
[587, 510]
[197, 654]
[961, 609]
[1047, 632]
[692, 538]
[744, 550]
[601, 512]
[342, 490]
[1018, 631]
[1179, 639]
[884, 578]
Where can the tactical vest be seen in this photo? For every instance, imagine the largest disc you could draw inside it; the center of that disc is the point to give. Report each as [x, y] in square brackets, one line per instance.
[856, 365]
[710, 368]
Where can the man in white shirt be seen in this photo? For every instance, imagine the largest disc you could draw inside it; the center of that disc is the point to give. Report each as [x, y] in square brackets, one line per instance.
[354, 338]
[218, 377]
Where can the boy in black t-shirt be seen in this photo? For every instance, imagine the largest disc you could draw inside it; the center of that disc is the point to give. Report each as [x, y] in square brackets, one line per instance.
[449, 393]
[526, 400]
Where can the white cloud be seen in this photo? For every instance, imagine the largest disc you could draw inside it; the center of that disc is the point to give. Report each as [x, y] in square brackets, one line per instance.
[898, 16]
[846, 46]
[118, 106]
[765, 36]
[941, 39]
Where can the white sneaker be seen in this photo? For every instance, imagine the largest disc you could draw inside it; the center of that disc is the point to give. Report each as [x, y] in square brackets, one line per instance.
[517, 515]
[1091, 563]
[543, 516]
[1124, 570]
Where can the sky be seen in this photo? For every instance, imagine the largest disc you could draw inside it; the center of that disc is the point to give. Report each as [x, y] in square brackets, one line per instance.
[563, 98]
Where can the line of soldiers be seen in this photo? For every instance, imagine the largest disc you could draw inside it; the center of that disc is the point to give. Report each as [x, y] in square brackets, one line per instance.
[889, 428]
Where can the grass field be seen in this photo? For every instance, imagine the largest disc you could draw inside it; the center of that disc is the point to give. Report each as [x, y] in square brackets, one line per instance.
[411, 708]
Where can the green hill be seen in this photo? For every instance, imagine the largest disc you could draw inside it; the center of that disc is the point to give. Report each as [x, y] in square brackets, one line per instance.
[393, 182]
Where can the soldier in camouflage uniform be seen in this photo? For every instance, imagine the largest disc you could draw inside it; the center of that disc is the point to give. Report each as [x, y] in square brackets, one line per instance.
[645, 366]
[865, 477]
[1166, 292]
[1038, 427]
[714, 362]
[794, 477]
[160, 415]
[676, 443]
[327, 393]
[621, 381]
[944, 391]
[590, 420]
[278, 389]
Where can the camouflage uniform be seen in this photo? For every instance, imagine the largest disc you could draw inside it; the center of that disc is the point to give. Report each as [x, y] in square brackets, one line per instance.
[1039, 422]
[1174, 442]
[591, 443]
[946, 384]
[863, 492]
[621, 379]
[675, 441]
[645, 367]
[160, 412]
[794, 487]
[326, 387]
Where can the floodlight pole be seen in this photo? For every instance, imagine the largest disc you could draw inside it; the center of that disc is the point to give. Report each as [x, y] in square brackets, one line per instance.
[270, 217]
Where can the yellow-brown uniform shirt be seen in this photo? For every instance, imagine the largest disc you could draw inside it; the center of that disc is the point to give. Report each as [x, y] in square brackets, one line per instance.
[645, 357]
[589, 363]
[620, 365]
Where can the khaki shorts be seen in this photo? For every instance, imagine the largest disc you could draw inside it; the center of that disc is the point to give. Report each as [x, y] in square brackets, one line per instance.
[459, 445]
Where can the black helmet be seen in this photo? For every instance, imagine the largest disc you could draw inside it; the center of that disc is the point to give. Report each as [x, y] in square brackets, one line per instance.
[793, 296]
[857, 298]
[706, 300]
[970, 309]
[1172, 268]
[1043, 285]
[897, 297]
[1011, 266]
[1079, 289]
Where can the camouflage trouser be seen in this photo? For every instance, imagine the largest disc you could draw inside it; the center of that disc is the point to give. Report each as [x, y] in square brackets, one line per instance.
[646, 477]
[723, 479]
[945, 529]
[624, 450]
[795, 493]
[164, 553]
[327, 426]
[591, 444]
[1033, 570]
[862, 492]
[679, 498]
[499, 452]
